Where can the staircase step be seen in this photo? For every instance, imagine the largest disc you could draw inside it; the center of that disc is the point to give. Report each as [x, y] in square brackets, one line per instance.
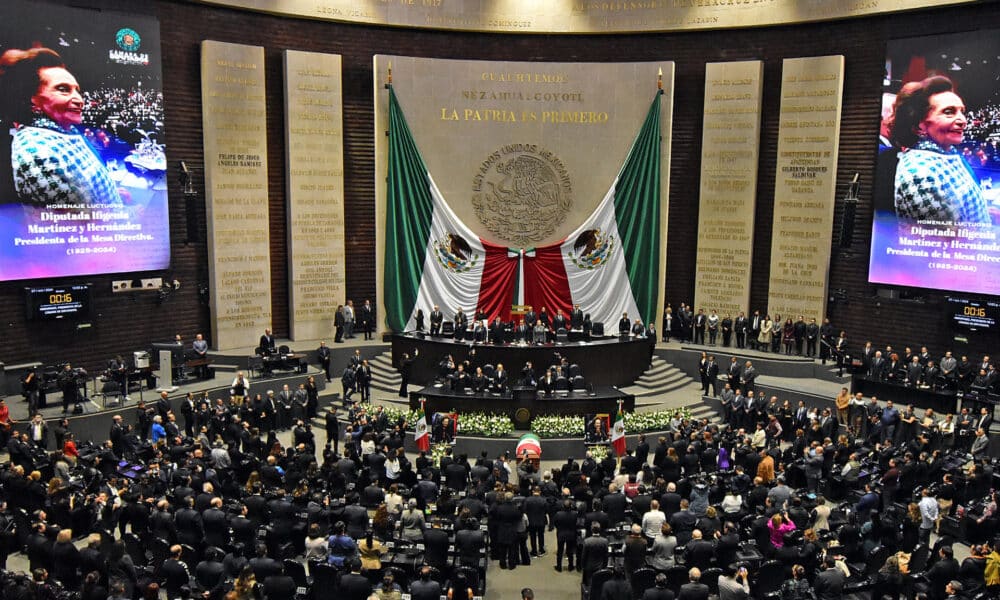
[663, 379]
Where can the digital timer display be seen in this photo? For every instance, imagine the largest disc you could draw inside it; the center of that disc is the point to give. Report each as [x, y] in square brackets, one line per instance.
[72, 301]
[973, 315]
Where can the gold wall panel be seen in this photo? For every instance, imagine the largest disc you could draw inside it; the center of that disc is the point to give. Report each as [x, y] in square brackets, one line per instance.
[235, 137]
[314, 172]
[730, 149]
[805, 186]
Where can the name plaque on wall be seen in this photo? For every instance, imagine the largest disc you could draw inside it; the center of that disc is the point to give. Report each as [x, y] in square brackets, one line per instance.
[579, 16]
[235, 138]
[730, 149]
[805, 185]
[314, 173]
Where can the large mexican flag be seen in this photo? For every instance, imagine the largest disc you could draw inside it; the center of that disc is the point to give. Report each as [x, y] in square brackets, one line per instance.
[608, 265]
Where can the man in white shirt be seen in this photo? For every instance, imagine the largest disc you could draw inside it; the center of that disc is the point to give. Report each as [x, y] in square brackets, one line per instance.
[653, 520]
[349, 320]
[928, 515]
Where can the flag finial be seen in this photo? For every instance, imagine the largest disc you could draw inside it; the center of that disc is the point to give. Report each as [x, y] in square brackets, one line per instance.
[659, 77]
[389, 81]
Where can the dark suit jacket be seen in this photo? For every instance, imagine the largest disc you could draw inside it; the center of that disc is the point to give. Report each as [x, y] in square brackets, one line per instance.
[699, 553]
[423, 590]
[175, 574]
[265, 567]
[436, 547]
[279, 587]
[594, 555]
[829, 585]
[355, 586]
[654, 593]
[693, 591]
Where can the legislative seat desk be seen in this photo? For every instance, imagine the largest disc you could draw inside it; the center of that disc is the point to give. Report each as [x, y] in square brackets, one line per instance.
[606, 361]
[942, 401]
[521, 403]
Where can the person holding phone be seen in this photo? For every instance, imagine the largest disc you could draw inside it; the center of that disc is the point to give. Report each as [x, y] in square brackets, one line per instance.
[734, 583]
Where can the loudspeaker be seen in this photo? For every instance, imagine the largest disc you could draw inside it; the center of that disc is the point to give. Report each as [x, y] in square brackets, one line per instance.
[847, 223]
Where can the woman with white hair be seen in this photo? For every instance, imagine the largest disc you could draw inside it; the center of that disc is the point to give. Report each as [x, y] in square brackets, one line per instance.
[411, 522]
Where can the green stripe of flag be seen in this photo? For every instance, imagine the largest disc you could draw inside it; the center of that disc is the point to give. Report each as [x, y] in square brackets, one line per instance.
[409, 212]
[637, 210]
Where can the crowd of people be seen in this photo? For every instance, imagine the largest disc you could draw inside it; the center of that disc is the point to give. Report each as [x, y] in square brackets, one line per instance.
[346, 318]
[760, 331]
[922, 369]
[468, 374]
[126, 113]
[529, 327]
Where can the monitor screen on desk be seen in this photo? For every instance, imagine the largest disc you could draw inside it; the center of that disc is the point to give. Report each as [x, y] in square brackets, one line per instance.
[176, 351]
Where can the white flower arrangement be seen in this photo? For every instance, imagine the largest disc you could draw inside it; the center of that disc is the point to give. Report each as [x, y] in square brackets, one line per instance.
[652, 421]
[546, 426]
[598, 451]
[551, 426]
[437, 452]
[485, 424]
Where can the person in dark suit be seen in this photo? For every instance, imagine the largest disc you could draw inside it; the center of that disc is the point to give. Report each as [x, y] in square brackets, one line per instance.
[66, 560]
[279, 586]
[829, 583]
[624, 325]
[210, 572]
[266, 344]
[470, 543]
[617, 588]
[740, 329]
[500, 379]
[712, 373]
[437, 318]
[700, 321]
[190, 529]
[547, 384]
[984, 420]
[536, 509]
[698, 552]
[748, 377]
[733, 372]
[354, 585]
[812, 338]
[216, 525]
[565, 524]
[264, 566]
[436, 547]
[424, 588]
[727, 331]
[559, 321]
[323, 355]
[174, 572]
[576, 317]
[660, 591]
[755, 323]
[507, 516]
[497, 337]
[694, 589]
[594, 554]
[406, 371]
[367, 316]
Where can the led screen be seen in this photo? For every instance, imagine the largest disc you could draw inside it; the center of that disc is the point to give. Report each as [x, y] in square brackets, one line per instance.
[82, 164]
[937, 186]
